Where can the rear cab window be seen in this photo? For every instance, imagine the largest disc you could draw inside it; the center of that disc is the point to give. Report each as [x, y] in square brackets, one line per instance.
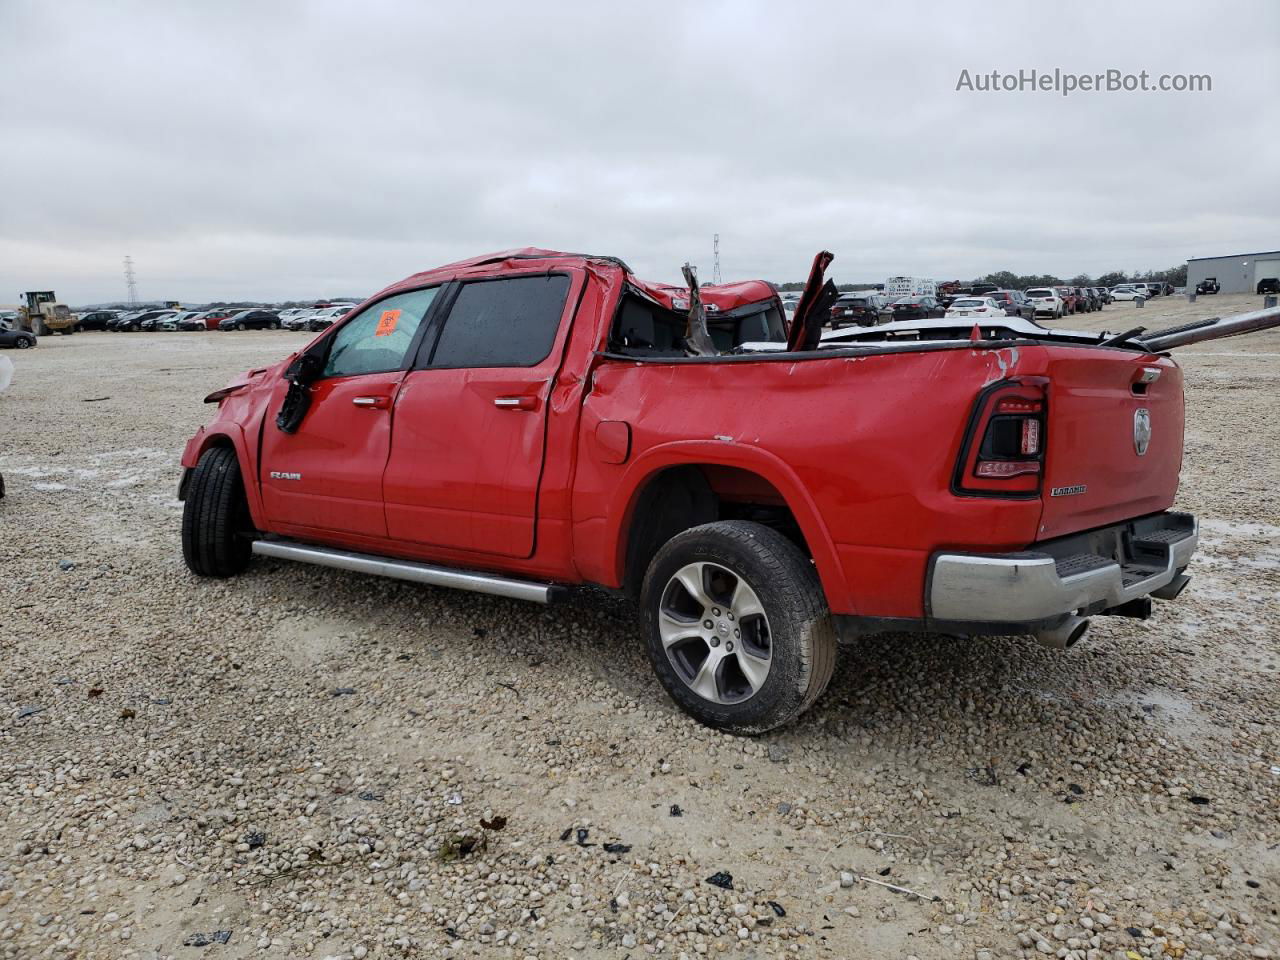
[643, 328]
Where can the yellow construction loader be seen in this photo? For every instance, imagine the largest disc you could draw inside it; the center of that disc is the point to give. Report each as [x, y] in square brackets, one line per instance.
[41, 313]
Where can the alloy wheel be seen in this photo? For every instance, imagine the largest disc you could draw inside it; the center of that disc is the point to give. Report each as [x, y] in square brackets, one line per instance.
[715, 633]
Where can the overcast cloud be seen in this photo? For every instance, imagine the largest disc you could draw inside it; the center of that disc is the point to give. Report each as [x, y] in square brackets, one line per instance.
[289, 150]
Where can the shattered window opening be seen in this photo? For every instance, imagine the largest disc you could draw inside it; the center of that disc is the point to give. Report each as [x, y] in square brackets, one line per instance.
[642, 328]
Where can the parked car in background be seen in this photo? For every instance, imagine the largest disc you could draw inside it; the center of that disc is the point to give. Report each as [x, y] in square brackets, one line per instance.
[151, 324]
[1147, 290]
[132, 322]
[21, 339]
[175, 322]
[1104, 295]
[1269, 285]
[1208, 285]
[251, 320]
[979, 308]
[1088, 300]
[982, 289]
[97, 319]
[298, 321]
[1125, 291]
[1070, 303]
[917, 308]
[1046, 301]
[1013, 302]
[209, 320]
[860, 308]
[325, 318]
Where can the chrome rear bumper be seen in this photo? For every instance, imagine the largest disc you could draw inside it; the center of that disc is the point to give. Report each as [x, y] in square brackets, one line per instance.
[1081, 574]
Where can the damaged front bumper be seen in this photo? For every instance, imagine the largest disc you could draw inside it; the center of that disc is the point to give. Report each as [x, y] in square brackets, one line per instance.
[1096, 572]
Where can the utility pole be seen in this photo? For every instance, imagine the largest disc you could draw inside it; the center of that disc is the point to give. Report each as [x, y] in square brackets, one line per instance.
[131, 281]
[715, 270]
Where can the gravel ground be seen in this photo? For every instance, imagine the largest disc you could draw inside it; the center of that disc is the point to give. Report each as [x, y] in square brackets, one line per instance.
[302, 763]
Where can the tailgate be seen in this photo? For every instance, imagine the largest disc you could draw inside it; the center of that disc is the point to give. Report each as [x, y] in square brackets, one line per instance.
[1114, 441]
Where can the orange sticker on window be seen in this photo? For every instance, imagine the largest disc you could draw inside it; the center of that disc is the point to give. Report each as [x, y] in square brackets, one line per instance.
[387, 323]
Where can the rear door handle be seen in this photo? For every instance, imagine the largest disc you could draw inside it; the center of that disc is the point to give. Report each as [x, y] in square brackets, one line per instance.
[372, 403]
[516, 403]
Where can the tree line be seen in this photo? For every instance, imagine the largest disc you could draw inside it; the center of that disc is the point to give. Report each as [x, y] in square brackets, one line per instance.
[1008, 280]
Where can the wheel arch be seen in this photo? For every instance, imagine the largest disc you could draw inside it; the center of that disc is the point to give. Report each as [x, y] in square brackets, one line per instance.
[232, 437]
[718, 479]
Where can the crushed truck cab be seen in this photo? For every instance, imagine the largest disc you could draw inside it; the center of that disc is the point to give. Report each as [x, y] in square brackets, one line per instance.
[526, 421]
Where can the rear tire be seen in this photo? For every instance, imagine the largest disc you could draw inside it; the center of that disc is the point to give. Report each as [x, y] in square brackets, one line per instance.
[215, 519]
[771, 648]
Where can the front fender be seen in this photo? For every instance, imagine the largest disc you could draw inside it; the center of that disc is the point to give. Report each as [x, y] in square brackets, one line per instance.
[223, 434]
[728, 453]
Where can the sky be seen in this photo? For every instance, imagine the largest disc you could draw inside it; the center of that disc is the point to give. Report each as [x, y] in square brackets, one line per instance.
[288, 150]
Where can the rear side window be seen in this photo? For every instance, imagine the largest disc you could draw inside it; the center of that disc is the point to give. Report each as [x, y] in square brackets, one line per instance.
[378, 339]
[502, 323]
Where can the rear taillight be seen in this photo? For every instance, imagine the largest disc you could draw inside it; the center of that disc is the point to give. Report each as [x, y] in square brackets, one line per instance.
[1003, 451]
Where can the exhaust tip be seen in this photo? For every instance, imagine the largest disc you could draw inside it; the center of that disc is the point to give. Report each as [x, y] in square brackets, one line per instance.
[1064, 636]
[1077, 633]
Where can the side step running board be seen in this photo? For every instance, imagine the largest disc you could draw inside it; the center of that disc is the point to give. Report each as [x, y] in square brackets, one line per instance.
[408, 570]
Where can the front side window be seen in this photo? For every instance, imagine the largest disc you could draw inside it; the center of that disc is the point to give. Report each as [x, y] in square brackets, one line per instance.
[378, 338]
[502, 323]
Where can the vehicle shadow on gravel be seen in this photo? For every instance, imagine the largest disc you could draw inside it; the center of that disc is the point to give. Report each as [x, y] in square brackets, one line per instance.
[935, 693]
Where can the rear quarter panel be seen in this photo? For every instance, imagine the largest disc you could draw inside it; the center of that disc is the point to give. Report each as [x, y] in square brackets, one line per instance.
[863, 449]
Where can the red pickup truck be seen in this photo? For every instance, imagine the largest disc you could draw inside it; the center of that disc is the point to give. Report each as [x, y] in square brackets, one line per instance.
[520, 422]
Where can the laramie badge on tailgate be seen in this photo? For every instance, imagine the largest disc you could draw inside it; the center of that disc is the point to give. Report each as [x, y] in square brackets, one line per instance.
[1068, 491]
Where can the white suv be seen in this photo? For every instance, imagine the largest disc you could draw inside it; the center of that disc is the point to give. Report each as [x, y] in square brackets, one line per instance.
[1045, 301]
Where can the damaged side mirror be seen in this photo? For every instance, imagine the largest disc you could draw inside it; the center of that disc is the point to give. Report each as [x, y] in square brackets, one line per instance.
[303, 372]
[306, 369]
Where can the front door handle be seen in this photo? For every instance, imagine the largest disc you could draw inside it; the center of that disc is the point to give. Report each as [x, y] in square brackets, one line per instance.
[516, 403]
[372, 403]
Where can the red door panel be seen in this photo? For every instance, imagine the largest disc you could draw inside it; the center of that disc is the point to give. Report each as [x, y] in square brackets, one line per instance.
[328, 475]
[464, 469]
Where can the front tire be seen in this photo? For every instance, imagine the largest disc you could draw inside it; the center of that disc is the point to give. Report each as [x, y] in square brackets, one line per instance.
[770, 649]
[23, 343]
[215, 519]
